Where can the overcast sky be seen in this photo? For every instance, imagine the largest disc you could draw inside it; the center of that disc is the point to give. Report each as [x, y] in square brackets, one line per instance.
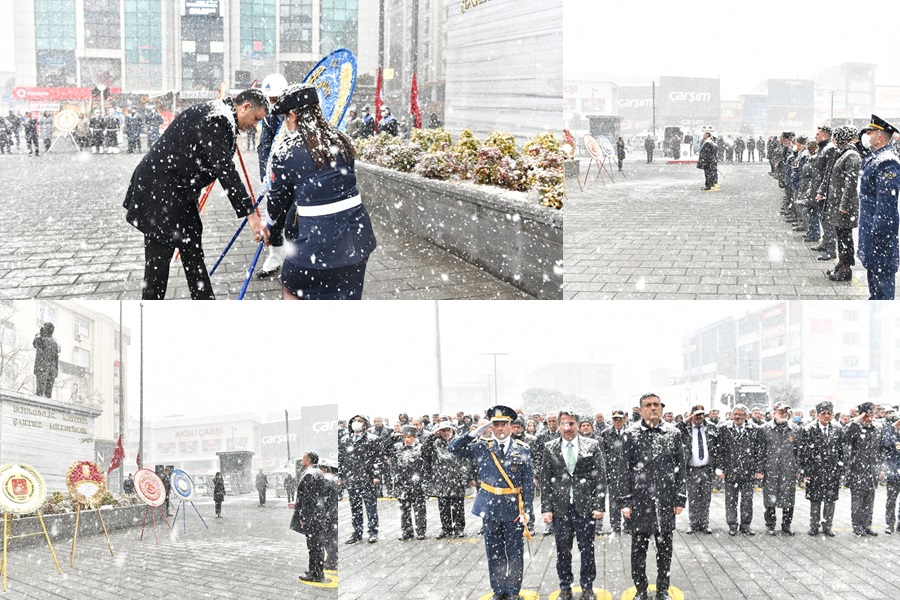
[379, 357]
[7, 60]
[741, 42]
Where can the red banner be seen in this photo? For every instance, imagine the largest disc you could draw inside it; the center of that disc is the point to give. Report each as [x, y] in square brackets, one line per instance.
[379, 102]
[414, 103]
[117, 457]
[56, 93]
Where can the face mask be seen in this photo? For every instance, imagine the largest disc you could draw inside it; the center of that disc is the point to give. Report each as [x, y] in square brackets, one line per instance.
[866, 141]
[356, 426]
[797, 419]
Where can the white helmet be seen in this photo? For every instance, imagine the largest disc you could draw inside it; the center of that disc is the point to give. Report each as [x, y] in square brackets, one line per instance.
[274, 85]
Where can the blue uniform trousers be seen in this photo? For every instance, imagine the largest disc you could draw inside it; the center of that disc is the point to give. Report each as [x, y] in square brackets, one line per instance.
[505, 553]
[358, 498]
[881, 282]
[565, 528]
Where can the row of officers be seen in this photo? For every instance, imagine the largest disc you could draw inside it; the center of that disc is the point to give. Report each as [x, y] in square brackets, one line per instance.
[641, 473]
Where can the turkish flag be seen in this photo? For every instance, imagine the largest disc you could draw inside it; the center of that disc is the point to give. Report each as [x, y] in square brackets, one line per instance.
[379, 102]
[138, 460]
[414, 103]
[117, 457]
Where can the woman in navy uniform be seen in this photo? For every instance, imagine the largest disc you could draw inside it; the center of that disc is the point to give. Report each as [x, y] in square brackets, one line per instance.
[504, 499]
[314, 183]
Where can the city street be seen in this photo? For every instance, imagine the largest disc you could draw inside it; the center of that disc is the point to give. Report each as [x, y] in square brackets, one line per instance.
[654, 235]
[705, 567]
[64, 235]
[249, 553]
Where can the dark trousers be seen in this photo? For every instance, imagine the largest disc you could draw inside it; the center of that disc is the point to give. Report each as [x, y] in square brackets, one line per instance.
[44, 384]
[262, 496]
[409, 504]
[710, 176]
[845, 245]
[821, 514]
[815, 226]
[620, 163]
[749, 154]
[881, 282]
[316, 548]
[613, 512]
[699, 490]
[157, 258]
[505, 549]
[787, 516]
[134, 145]
[829, 237]
[218, 507]
[358, 498]
[290, 494]
[342, 283]
[649, 156]
[862, 505]
[640, 542]
[739, 491]
[330, 541]
[890, 507]
[566, 528]
[32, 143]
[452, 512]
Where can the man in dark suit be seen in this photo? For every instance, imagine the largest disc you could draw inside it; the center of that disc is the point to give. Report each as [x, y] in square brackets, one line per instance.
[822, 464]
[507, 488]
[161, 202]
[701, 449]
[573, 494]
[652, 492]
[739, 466]
[310, 514]
[864, 462]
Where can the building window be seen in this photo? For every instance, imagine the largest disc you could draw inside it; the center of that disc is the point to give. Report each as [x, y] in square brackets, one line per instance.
[47, 313]
[296, 26]
[850, 362]
[851, 315]
[102, 28]
[340, 24]
[7, 334]
[257, 29]
[851, 339]
[54, 24]
[81, 358]
[143, 32]
[82, 328]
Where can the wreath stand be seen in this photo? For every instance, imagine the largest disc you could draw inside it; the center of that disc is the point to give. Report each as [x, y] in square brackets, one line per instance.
[7, 531]
[77, 523]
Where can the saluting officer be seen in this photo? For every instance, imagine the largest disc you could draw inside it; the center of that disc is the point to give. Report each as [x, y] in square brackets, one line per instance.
[864, 462]
[507, 488]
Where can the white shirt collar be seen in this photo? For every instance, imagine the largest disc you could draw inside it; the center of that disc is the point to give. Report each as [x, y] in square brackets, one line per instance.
[564, 445]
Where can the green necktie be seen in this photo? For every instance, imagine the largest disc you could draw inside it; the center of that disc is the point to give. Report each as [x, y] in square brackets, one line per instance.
[570, 458]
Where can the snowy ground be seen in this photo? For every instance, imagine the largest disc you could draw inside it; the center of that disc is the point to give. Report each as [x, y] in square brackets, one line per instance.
[654, 234]
[249, 553]
[705, 567]
[63, 235]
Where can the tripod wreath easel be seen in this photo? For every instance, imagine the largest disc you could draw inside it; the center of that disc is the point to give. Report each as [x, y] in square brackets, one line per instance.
[598, 155]
[149, 488]
[22, 491]
[87, 484]
[184, 490]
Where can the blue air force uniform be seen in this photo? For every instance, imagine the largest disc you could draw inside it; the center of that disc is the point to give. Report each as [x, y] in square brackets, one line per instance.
[500, 509]
[879, 184]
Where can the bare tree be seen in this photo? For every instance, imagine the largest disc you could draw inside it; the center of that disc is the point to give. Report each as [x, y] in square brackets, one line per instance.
[15, 353]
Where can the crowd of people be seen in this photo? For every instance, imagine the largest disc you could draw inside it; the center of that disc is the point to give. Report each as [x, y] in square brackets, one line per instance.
[98, 132]
[618, 470]
[839, 180]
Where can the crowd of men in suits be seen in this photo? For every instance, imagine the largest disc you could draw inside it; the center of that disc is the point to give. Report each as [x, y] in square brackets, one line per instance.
[638, 472]
[840, 180]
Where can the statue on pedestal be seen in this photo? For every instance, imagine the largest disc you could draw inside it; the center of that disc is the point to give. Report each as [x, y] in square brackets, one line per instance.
[46, 360]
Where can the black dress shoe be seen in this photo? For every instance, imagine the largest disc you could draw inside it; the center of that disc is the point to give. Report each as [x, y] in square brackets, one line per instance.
[588, 594]
[548, 532]
[825, 257]
[565, 594]
[799, 228]
[770, 531]
[690, 531]
[442, 535]
[460, 535]
[819, 248]
[732, 531]
[706, 530]
[747, 531]
[353, 540]
[840, 275]
[826, 531]
[313, 578]
[787, 531]
[813, 532]
[871, 533]
[642, 596]
[420, 536]
[403, 538]
[373, 538]
[664, 595]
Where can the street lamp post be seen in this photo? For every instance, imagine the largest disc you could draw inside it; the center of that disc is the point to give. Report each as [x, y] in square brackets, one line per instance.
[495, 355]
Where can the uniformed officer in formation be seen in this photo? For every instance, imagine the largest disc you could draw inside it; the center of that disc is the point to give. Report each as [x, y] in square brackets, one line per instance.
[879, 185]
[700, 448]
[573, 495]
[360, 456]
[507, 487]
[409, 484]
[780, 450]
[611, 439]
[652, 492]
[448, 475]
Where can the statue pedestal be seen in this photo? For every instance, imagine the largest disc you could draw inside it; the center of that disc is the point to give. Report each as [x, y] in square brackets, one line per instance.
[47, 434]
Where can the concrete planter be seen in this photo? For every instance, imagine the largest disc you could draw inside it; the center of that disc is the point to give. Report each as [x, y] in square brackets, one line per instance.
[62, 527]
[505, 233]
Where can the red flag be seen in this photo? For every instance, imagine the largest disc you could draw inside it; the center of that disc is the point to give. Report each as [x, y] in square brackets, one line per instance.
[379, 102]
[414, 103]
[138, 460]
[117, 457]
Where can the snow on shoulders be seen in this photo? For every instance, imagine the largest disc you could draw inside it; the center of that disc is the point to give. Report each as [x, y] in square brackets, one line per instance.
[218, 108]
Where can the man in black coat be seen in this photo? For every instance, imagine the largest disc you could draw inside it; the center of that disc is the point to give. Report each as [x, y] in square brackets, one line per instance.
[409, 484]
[652, 492]
[708, 161]
[573, 494]
[449, 475]
[822, 464]
[611, 439]
[519, 433]
[360, 460]
[700, 439]
[649, 146]
[739, 466]
[821, 180]
[864, 462]
[310, 512]
[194, 151]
